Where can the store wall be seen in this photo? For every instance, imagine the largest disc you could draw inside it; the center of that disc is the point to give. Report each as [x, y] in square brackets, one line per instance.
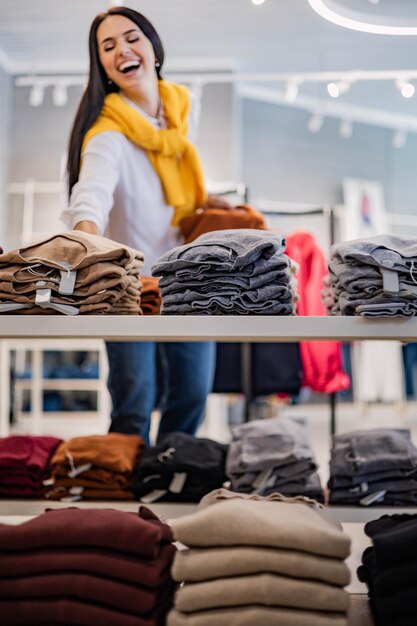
[40, 135]
[5, 124]
[283, 161]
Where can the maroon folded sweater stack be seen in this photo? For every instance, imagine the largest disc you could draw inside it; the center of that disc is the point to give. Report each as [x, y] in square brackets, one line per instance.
[24, 463]
[86, 567]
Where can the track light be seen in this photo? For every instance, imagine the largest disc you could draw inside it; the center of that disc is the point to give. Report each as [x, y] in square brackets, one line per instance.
[291, 90]
[337, 89]
[36, 95]
[315, 123]
[406, 88]
[399, 139]
[59, 95]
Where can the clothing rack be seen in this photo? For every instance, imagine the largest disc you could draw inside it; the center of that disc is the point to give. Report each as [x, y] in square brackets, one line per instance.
[288, 209]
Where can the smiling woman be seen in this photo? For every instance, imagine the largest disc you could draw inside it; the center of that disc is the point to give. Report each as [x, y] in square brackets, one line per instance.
[133, 173]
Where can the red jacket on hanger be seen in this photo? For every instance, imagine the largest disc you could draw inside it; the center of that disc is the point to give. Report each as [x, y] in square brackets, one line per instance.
[322, 360]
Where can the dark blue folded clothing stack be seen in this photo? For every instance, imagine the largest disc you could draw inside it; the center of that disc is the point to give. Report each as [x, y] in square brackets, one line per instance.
[376, 466]
[229, 272]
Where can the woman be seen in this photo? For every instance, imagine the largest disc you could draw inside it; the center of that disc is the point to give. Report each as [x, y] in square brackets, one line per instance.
[134, 174]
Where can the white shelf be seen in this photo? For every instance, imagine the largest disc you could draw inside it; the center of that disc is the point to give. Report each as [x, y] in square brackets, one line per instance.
[167, 510]
[62, 384]
[207, 328]
[35, 507]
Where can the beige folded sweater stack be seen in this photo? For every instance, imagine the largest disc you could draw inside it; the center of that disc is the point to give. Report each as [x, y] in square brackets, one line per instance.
[71, 273]
[275, 561]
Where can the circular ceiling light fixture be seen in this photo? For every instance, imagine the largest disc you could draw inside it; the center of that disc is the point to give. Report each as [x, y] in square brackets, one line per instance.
[399, 19]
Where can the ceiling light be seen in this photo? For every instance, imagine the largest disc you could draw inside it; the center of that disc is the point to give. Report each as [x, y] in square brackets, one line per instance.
[36, 95]
[258, 2]
[291, 90]
[399, 139]
[373, 1]
[337, 89]
[346, 129]
[115, 3]
[333, 90]
[356, 20]
[60, 95]
[315, 123]
[406, 88]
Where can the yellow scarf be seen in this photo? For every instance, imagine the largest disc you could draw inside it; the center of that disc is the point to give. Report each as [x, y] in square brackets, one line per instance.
[172, 155]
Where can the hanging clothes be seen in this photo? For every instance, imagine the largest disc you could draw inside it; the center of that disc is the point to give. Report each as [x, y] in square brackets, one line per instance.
[321, 360]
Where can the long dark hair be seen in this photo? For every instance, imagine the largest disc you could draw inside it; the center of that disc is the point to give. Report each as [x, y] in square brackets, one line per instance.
[98, 86]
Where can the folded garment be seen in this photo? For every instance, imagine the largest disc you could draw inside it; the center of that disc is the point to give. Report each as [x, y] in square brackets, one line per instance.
[171, 284]
[212, 219]
[95, 475]
[394, 252]
[254, 615]
[69, 611]
[183, 466]
[30, 453]
[261, 589]
[201, 565]
[392, 604]
[140, 534]
[291, 525]
[76, 493]
[309, 486]
[263, 444]
[234, 293]
[223, 306]
[278, 262]
[147, 572]
[72, 250]
[120, 596]
[150, 296]
[226, 250]
[114, 451]
[394, 538]
[380, 449]
[275, 477]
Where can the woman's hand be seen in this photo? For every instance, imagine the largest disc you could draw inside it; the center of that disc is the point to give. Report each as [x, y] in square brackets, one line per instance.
[214, 202]
[327, 294]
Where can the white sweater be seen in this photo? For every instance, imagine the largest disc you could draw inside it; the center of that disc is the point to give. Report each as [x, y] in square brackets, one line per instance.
[119, 190]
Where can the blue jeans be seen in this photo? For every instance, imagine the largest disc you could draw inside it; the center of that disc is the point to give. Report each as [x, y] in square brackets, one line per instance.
[186, 377]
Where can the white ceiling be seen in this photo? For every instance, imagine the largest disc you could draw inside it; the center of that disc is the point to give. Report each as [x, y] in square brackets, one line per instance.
[39, 36]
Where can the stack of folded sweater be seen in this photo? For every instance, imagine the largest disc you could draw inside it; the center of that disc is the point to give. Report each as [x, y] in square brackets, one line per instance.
[228, 272]
[389, 569]
[95, 467]
[376, 466]
[375, 276]
[182, 468]
[150, 297]
[71, 273]
[89, 567]
[272, 455]
[24, 465]
[254, 560]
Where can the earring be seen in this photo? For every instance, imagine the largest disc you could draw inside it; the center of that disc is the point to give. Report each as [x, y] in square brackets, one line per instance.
[109, 81]
[157, 64]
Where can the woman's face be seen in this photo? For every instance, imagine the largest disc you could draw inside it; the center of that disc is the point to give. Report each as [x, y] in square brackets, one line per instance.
[125, 53]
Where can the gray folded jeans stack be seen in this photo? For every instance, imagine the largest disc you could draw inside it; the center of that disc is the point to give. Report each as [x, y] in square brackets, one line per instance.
[254, 560]
[71, 273]
[270, 455]
[377, 466]
[375, 276]
[228, 272]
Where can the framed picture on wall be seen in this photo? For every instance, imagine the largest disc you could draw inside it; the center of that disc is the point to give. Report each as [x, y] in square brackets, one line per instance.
[364, 212]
